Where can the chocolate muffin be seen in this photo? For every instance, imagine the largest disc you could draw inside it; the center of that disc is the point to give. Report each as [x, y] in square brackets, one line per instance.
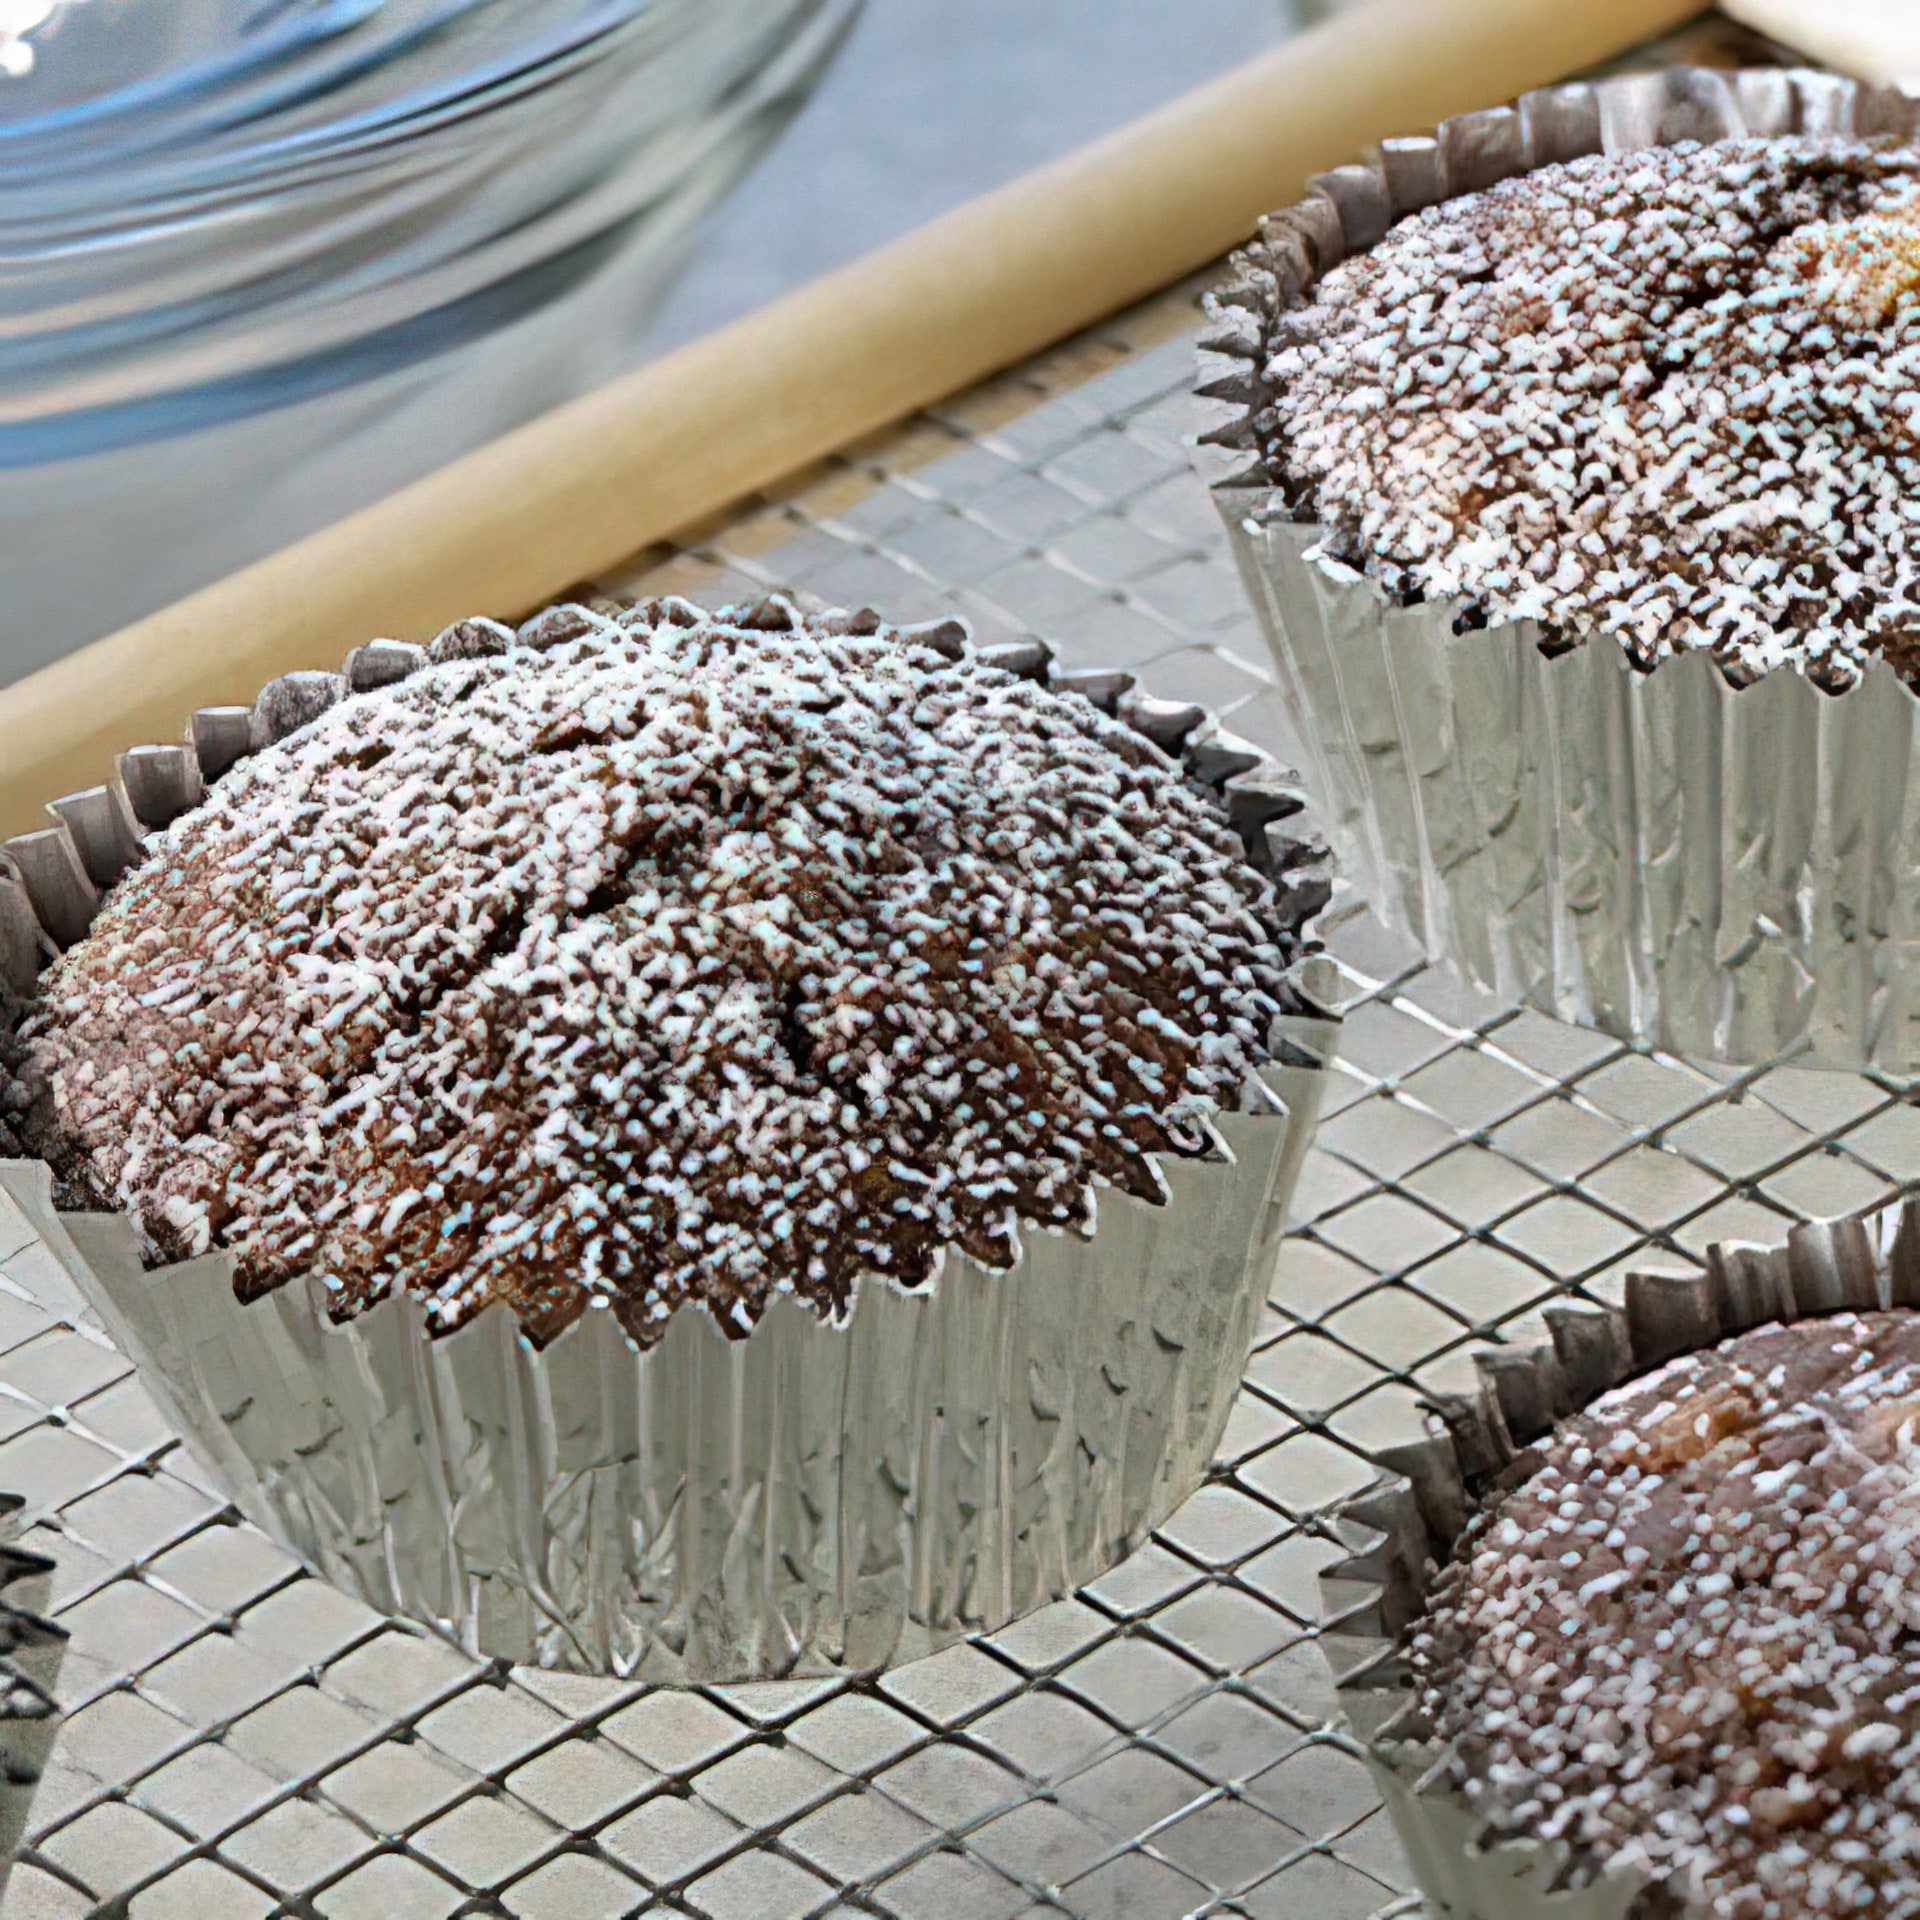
[627, 963]
[1664, 396]
[1682, 1639]
[1578, 513]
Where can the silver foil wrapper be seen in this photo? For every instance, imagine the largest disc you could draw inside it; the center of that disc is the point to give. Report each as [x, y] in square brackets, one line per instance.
[31, 1650]
[1398, 1529]
[1463, 1880]
[1727, 875]
[813, 1498]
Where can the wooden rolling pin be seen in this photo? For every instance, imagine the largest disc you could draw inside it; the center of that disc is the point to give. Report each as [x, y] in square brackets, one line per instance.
[1876, 40]
[579, 489]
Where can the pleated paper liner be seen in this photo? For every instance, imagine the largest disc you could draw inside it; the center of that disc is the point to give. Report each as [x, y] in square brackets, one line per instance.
[1724, 874]
[1406, 1524]
[812, 1498]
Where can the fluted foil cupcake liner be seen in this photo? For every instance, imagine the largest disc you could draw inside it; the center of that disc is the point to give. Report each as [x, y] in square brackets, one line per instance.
[809, 1499]
[813, 1498]
[1400, 1528]
[1724, 874]
[31, 1651]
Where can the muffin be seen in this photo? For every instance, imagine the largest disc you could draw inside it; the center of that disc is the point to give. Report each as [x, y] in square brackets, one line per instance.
[863, 1073]
[1683, 1644]
[1667, 1667]
[1579, 516]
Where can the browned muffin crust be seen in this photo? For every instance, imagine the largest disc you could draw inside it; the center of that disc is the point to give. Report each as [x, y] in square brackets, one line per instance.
[688, 959]
[1688, 1638]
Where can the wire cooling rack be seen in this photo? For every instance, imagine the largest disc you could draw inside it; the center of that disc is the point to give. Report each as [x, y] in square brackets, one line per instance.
[242, 1741]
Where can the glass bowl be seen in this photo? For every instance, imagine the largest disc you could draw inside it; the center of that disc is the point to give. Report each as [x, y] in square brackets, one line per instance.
[262, 261]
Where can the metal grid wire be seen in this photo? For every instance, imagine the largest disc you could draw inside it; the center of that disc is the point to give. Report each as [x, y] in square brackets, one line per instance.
[242, 1741]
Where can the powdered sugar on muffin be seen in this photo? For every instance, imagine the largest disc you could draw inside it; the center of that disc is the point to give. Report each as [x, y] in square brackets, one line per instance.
[688, 960]
[1666, 396]
[1689, 1640]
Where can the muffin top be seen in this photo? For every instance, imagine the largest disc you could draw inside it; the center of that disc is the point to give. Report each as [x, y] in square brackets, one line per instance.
[697, 958]
[1666, 396]
[1686, 1639]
